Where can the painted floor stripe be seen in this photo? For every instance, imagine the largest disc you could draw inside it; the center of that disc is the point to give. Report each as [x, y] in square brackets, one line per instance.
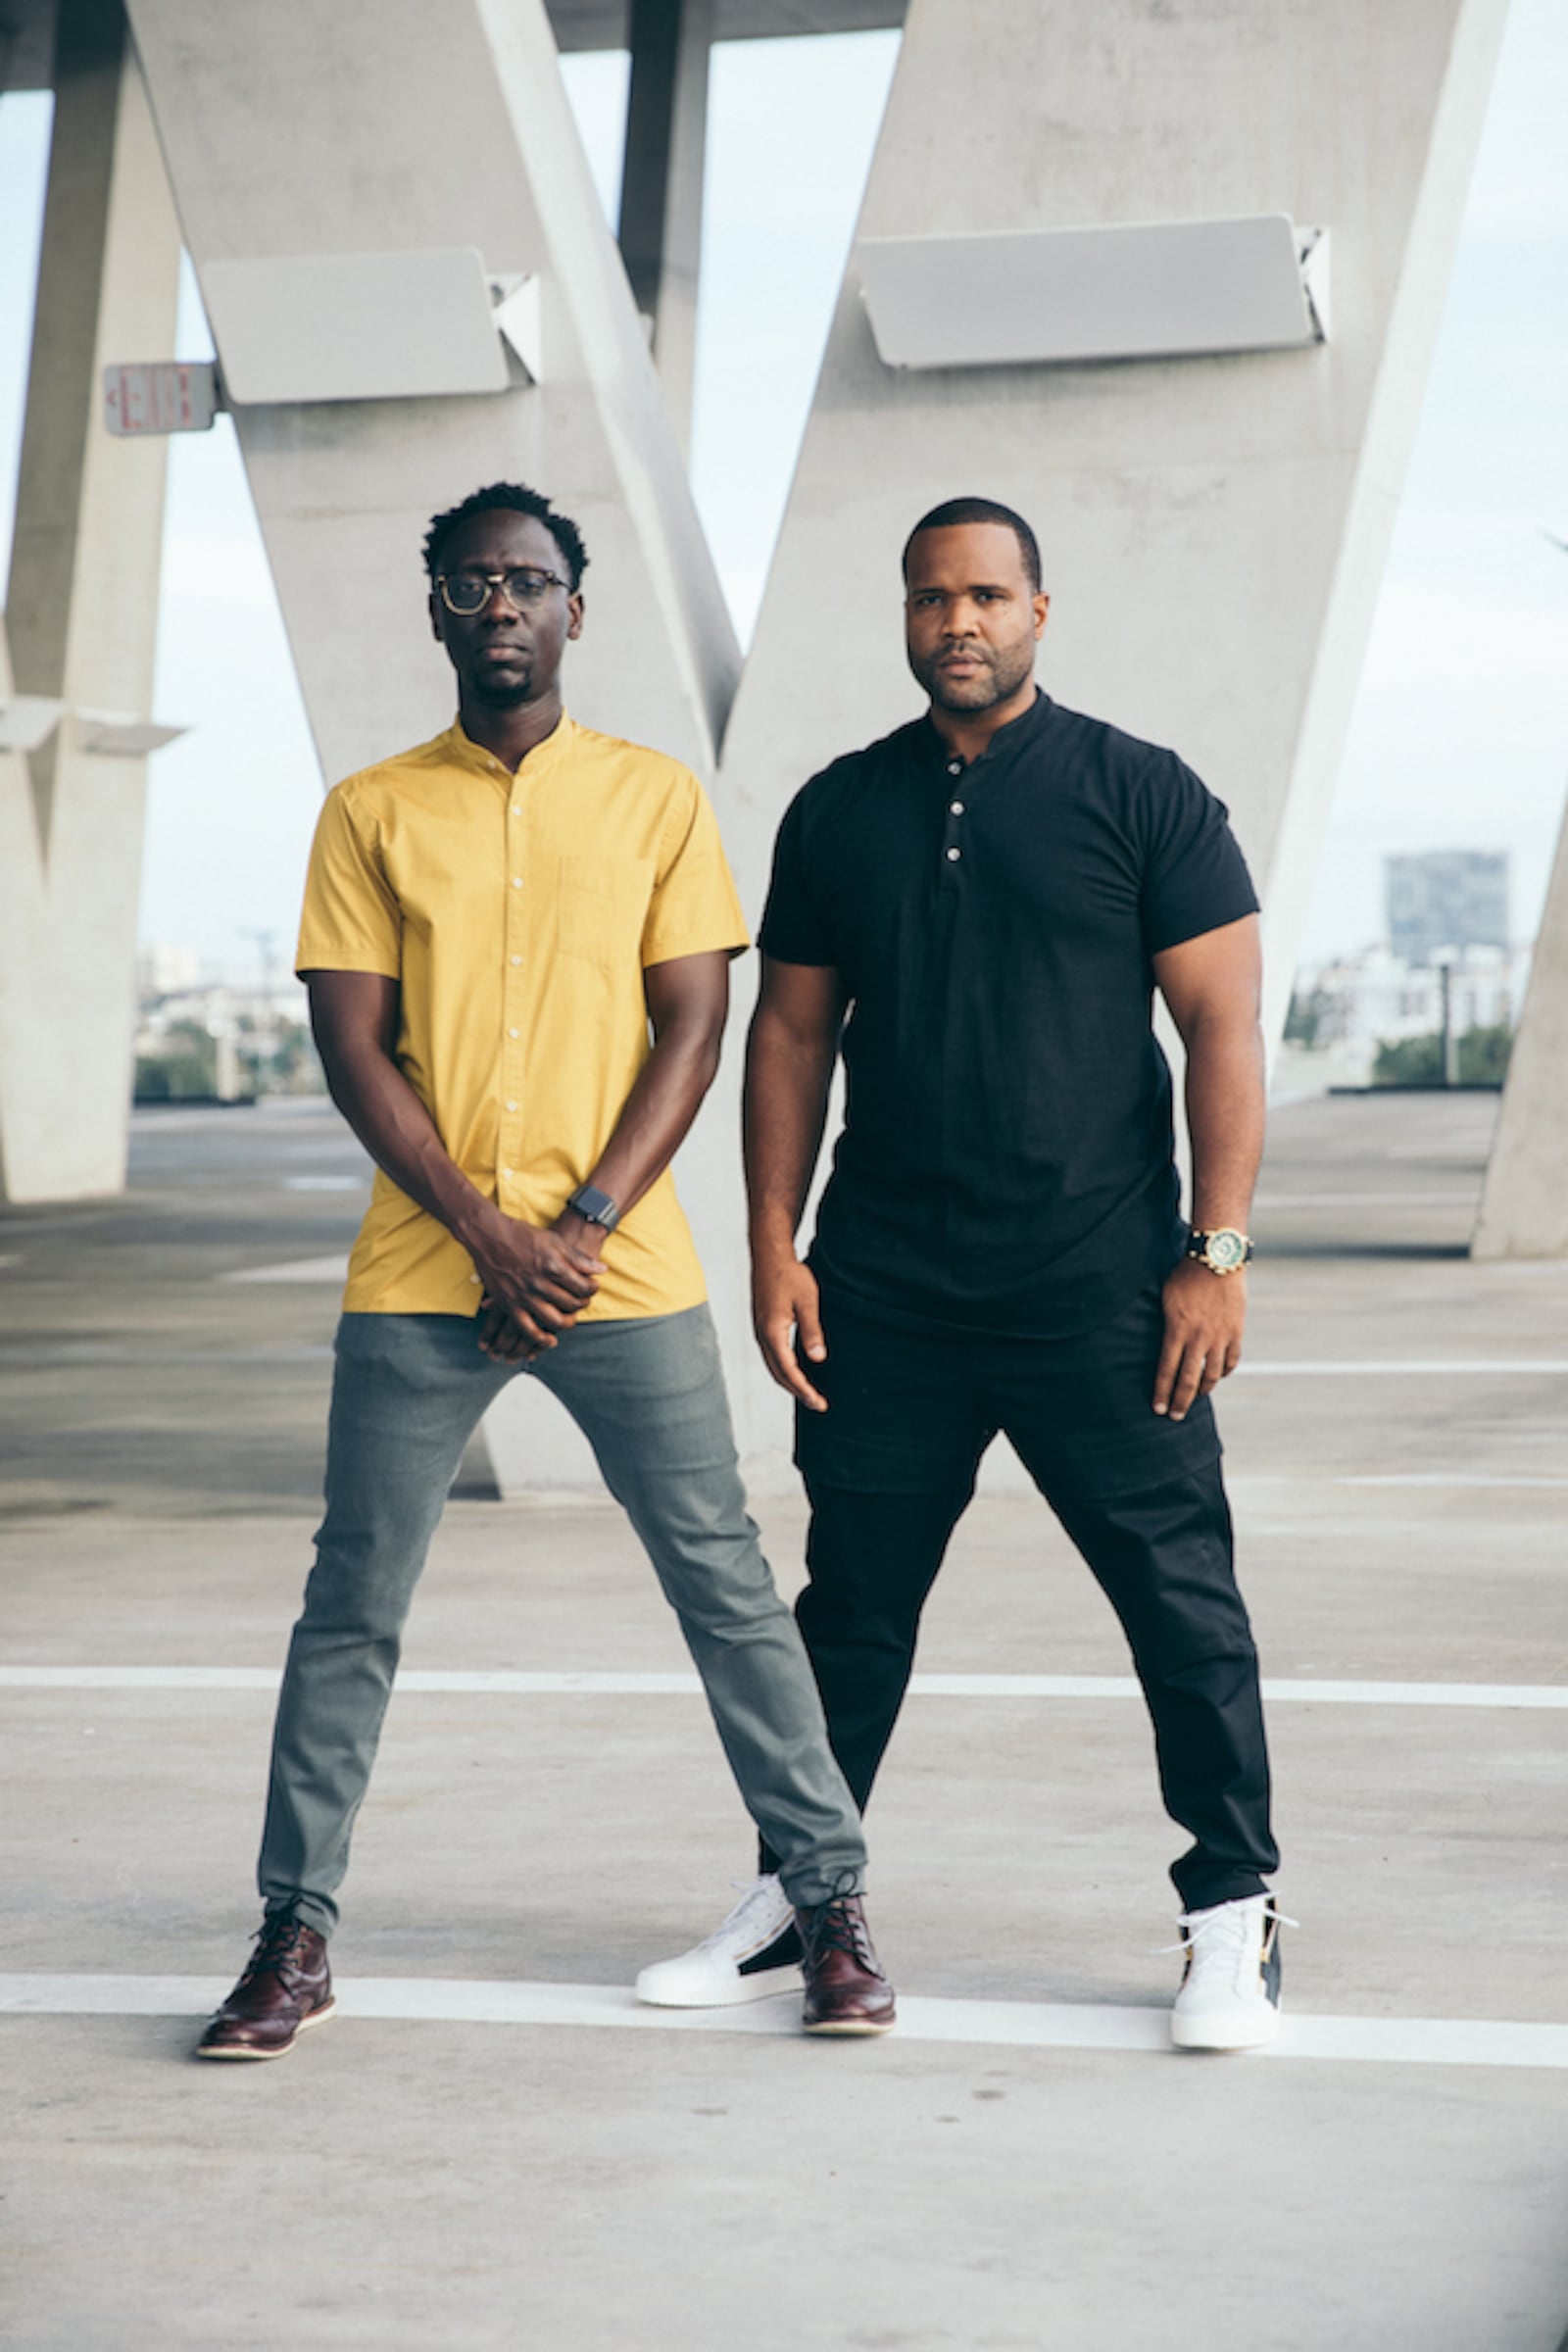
[1418, 1367]
[1464, 1199]
[1446, 1478]
[502, 1682]
[294, 1269]
[1018, 2025]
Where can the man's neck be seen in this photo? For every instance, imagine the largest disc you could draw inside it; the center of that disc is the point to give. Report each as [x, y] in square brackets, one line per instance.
[510, 733]
[967, 732]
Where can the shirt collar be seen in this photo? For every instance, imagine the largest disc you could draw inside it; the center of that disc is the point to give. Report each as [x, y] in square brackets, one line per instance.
[463, 752]
[1014, 737]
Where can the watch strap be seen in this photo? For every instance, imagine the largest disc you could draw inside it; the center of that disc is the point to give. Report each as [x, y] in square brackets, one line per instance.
[595, 1208]
[1221, 1248]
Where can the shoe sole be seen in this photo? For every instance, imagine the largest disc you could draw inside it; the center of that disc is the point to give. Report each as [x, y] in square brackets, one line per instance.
[1195, 2038]
[860, 2028]
[760, 1987]
[316, 2016]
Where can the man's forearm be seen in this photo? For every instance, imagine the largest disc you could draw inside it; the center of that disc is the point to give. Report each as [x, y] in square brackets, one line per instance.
[660, 1110]
[787, 1083]
[1225, 1116]
[402, 1137]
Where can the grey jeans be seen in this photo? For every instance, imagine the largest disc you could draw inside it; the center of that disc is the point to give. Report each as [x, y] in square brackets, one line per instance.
[648, 1395]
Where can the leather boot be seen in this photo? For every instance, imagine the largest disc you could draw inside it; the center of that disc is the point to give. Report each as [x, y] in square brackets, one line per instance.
[286, 1987]
[846, 1991]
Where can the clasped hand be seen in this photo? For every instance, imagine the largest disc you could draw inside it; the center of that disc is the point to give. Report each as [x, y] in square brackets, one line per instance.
[536, 1282]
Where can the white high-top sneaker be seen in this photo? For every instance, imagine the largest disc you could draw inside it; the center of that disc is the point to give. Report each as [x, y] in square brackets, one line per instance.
[753, 1953]
[1229, 1992]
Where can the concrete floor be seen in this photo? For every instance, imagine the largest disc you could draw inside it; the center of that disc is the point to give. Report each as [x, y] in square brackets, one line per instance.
[489, 2184]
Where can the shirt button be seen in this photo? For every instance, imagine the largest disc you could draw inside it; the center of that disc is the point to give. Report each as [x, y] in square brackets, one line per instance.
[515, 810]
[506, 1171]
[517, 881]
[516, 960]
[952, 854]
[474, 1279]
[512, 1107]
[514, 1033]
[957, 808]
[955, 768]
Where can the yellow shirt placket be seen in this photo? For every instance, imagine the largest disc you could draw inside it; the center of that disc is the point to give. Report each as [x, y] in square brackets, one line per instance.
[521, 916]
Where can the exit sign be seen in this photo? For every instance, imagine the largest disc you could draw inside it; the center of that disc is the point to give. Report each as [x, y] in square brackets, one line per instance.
[161, 396]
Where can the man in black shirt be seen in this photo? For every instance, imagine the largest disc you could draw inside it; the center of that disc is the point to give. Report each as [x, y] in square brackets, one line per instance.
[976, 910]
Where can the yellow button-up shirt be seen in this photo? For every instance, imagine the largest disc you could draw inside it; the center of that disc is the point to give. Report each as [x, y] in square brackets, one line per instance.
[517, 912]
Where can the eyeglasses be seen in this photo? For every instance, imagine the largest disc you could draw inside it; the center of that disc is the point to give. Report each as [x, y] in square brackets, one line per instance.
[468, 592]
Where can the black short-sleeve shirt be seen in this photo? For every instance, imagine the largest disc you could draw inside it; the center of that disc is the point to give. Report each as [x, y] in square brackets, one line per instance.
[1005, 1162]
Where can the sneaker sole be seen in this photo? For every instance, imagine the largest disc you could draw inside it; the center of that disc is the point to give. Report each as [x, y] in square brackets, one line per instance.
[316, 2016]
[760, 1987]
[1254, 2037]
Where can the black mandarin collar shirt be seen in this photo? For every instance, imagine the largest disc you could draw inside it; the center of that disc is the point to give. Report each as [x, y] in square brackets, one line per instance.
[1006, 1163]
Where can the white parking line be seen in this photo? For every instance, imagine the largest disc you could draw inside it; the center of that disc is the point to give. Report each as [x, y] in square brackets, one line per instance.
[1446, 1478]
[294, 1269]
[518, 1683]
[1419, 1367]
[1018, 2025]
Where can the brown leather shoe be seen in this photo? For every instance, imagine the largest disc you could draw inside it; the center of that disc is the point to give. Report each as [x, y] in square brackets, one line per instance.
[846, 1991]
[286, 1987]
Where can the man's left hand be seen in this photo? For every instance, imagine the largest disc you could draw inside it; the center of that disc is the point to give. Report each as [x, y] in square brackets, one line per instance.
[1206, 1314]
[501, 1336]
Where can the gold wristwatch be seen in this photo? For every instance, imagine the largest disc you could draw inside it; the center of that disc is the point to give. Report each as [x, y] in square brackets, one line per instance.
[1222, 1250]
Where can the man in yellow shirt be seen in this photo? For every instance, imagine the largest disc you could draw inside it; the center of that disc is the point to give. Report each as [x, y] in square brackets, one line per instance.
[493, 923]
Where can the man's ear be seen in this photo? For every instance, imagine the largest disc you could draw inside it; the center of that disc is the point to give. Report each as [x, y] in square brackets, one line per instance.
[574, 613]
[1041, 605]
[435, 618]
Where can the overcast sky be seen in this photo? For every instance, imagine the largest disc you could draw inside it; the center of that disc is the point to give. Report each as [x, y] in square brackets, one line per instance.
[1460, 738]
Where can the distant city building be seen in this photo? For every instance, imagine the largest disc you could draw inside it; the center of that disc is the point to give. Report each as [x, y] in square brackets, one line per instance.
[1444, 902]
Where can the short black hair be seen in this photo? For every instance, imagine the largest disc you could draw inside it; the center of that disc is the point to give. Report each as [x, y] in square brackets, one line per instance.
[515, 498]
[980, 509]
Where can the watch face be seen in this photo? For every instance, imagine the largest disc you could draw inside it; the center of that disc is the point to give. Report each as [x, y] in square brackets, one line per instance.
[1226, 1250]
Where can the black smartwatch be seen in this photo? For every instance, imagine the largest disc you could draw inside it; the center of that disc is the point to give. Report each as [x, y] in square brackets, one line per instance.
[595, 1208]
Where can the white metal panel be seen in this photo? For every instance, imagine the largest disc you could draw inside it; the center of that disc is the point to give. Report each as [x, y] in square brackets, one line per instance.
[28, 720]
[1145, 291]
[160, 396]
[354, 325]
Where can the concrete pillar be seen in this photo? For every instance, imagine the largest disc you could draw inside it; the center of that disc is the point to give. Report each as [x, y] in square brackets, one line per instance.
[1523, 1203]
[344, 488]
[81, 610]
[409, 128]
[1214, 529]
[662, 185]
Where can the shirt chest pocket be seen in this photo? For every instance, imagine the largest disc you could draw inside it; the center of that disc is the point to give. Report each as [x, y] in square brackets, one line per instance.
[602, 908]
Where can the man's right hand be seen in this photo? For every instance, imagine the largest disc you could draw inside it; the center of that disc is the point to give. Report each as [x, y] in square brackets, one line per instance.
[537, 1279]
[786, 1317]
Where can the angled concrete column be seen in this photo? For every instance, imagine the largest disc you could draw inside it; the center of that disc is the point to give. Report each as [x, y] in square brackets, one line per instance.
[662, 185]
[407, 129]
[82, 608]
[1524, 1205]
[1214, 528]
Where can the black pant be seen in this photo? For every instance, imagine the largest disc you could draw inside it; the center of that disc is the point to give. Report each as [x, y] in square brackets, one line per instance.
[889, 1470]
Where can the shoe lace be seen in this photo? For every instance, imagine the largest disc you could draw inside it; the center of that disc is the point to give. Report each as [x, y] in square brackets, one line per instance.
[1217, 1939]
[276, 1941]
[759, 1897]
[839, 1926]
